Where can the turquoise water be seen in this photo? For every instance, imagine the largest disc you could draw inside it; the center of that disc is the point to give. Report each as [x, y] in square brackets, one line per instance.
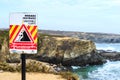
[83, 72]
[107, 71]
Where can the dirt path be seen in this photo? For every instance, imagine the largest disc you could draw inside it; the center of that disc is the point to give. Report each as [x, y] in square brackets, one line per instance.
[29, 76]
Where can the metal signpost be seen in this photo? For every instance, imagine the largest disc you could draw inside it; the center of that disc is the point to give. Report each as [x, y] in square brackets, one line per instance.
[23, 36]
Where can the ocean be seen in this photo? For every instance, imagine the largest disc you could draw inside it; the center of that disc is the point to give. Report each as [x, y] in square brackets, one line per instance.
[108, 46]
[107, 71]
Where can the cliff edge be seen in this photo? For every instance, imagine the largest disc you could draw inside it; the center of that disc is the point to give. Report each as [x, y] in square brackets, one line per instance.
[68, 51]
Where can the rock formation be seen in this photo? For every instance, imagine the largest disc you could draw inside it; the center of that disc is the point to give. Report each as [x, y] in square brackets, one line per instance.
[59, 50]
[68, 51]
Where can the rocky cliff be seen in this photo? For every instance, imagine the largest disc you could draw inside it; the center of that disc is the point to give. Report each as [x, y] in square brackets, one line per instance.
[65, 47]
[68, 51]
[59, 50]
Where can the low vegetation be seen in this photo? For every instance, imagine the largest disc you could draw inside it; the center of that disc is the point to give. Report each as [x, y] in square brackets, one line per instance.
[36, 66]
[6, 67]
[31, 66]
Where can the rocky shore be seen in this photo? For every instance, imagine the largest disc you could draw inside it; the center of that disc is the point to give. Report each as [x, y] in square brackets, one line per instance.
[112, 56]
[61, 51]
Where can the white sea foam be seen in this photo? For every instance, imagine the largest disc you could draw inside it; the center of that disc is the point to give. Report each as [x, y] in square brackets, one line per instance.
[75, 67]
[109, 71]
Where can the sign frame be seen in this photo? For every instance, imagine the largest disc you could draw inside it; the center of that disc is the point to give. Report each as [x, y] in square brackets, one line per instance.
[22, 25]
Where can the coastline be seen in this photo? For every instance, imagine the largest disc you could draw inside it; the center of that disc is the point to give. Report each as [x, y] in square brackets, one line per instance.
[30, 76]
[56, 55]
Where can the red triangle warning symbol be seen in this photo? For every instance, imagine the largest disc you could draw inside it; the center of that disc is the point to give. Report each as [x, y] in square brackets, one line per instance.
[23, 35]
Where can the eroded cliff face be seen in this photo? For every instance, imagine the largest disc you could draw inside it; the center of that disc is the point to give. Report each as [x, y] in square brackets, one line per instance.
[59, 50]
[65, 47]
[68, 51]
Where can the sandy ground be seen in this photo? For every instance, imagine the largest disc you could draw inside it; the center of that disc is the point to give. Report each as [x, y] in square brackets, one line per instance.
[29, 76]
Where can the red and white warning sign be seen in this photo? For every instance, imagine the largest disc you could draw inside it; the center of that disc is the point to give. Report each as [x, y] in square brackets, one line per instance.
[23, 33]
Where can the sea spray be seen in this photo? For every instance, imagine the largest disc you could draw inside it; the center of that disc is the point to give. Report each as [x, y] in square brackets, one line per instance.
[109, 71]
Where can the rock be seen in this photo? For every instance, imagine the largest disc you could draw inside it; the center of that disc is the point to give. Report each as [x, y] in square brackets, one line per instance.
[65, 47]
[111, 55]
[83, 60]
[38, 66]
[68, 51]
[105, 51]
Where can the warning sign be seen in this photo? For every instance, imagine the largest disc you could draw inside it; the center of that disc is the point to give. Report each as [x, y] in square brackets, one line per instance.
[23, 35]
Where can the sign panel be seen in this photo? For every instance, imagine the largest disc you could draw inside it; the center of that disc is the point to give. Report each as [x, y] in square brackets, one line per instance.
[23, 33]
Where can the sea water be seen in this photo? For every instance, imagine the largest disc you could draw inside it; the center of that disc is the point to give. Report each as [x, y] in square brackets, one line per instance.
[108, 46]
[107, 71]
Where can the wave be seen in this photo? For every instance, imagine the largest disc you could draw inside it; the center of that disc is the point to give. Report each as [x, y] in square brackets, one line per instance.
[109, 71]
[75, 67]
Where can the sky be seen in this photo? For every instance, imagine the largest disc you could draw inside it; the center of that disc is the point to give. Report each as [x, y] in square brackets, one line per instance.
[67, 15]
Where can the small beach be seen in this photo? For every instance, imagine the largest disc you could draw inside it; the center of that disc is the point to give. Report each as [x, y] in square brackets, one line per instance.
[29, 76]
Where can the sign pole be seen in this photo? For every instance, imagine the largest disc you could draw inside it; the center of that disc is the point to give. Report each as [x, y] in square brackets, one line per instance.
[23, 72]
[23, 36]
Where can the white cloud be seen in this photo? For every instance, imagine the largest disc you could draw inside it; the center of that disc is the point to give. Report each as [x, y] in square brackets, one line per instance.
[77, 13]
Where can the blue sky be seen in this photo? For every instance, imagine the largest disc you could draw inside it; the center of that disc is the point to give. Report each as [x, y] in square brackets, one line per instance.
[67, 15]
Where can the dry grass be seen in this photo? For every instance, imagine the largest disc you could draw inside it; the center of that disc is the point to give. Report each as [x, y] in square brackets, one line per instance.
[30, 76]
[31, 66]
